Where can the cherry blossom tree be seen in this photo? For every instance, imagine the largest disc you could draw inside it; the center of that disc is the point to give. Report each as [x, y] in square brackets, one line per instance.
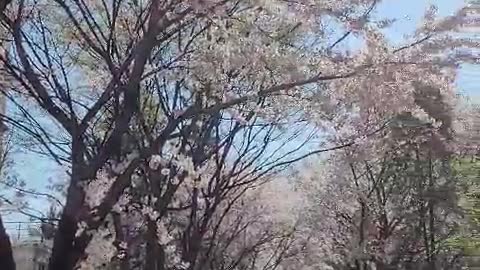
[394, 206]
[166, 113]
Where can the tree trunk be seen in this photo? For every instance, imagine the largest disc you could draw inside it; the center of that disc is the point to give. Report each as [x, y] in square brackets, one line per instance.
[66, 252]
[6, 254]
[155, 259]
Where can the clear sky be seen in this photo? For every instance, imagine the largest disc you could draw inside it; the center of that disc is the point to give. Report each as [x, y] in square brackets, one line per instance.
[38, 170]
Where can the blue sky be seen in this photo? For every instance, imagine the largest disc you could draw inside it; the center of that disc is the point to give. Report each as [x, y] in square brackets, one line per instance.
[408, 13]
[413, 9]
[469, 75]
[38, 170]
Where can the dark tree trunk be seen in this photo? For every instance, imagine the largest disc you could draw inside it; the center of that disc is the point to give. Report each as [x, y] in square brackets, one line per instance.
[66, 251]
[6, 253]
[155, 259]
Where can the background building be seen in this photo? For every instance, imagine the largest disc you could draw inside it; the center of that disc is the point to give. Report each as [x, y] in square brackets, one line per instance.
[31, 255]
[30, 249]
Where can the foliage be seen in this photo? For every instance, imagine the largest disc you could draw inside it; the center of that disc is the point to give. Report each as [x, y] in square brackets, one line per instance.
[468, 238]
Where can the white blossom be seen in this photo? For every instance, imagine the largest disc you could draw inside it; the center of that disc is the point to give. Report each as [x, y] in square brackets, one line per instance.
[155, 162]
[100, 250]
